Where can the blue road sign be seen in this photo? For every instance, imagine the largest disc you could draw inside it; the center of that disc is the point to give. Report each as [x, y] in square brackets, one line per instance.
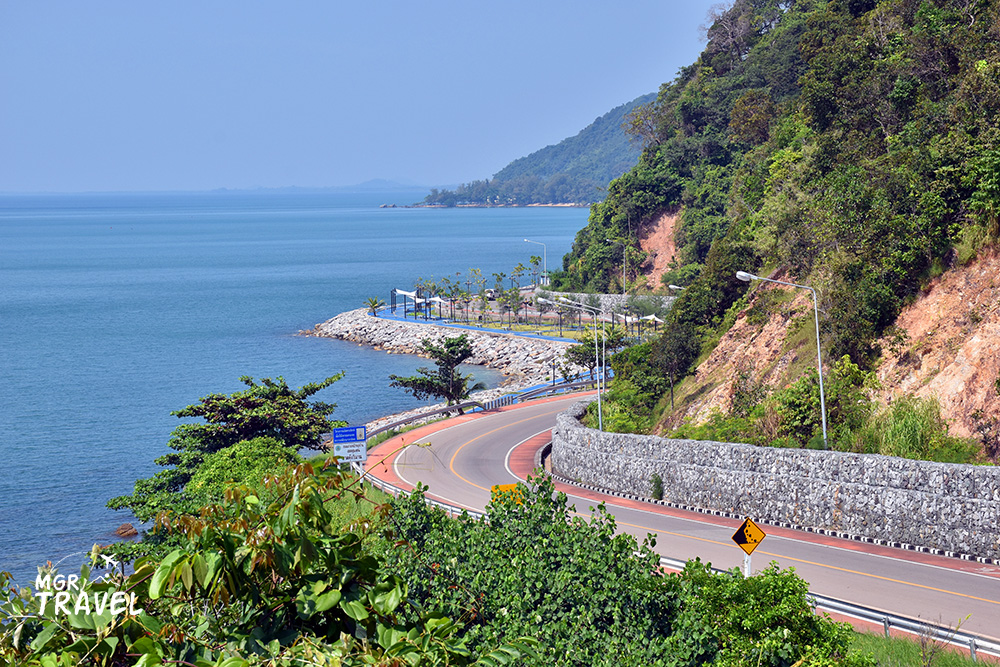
[349, 443]
[350, 434]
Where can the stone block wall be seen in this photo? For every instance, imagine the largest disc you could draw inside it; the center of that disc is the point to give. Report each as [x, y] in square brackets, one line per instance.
[951, 507]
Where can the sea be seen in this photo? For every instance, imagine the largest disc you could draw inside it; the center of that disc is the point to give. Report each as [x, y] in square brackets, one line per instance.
[116, 309]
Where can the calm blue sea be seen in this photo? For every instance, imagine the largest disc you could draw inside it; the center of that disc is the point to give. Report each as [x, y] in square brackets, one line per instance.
[117, 309]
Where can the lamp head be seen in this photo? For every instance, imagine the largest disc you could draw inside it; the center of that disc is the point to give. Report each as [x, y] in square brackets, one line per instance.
[675, 287]
[746, 277]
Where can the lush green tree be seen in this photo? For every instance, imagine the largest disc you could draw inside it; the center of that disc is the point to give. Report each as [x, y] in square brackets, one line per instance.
[446, 382]
[270, 409]
[590, 355]
[674, 353]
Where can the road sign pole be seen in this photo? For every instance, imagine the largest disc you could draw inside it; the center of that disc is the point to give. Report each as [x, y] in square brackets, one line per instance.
[747, 537]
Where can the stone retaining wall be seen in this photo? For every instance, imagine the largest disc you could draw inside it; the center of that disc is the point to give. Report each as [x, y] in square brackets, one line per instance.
[951, 507]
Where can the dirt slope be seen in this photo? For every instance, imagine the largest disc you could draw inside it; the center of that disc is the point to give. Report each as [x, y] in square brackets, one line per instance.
[657, 239]
[950, 350]
[952, 345]
[754, 346]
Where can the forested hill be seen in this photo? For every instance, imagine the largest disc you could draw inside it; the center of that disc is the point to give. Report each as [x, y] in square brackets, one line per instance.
[852, 145]
[576, 170]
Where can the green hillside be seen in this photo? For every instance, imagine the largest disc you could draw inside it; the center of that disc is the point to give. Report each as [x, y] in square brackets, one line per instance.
[852, 144]
[576, 170]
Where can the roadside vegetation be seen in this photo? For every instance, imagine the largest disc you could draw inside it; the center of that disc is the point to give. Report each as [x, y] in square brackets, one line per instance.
[850, 146]
[269, 561]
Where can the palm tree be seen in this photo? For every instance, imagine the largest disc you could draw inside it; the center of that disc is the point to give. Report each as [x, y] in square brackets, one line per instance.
[373, 304]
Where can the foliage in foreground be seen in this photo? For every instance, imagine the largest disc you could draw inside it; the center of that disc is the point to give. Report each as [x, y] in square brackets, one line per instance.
[243, 437]
[591, 597]
[254, 583]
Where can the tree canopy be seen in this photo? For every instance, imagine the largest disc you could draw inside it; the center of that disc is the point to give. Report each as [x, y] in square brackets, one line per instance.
[271, 410]
[446, 382]
[853, 145]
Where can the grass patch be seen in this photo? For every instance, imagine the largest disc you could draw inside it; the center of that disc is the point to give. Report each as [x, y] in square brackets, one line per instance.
[902, 652]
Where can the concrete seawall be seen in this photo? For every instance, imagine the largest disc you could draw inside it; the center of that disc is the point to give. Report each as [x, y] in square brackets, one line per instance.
[950, 507]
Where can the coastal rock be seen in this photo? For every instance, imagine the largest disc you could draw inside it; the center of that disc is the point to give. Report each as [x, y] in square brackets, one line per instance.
[126, 530]
[524, 361]
[520, 359]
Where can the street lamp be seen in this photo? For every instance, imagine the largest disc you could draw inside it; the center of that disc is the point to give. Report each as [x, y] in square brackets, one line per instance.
[676, 288]
[747, 277]
[602, 359]
[545, 261]
[624, 257]
[597, 351]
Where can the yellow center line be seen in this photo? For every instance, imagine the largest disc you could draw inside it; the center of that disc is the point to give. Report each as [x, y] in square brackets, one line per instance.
[451, 466]
[451, 463]
[823, 565]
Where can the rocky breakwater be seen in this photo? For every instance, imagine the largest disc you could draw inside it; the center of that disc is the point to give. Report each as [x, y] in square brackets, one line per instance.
[525, 361]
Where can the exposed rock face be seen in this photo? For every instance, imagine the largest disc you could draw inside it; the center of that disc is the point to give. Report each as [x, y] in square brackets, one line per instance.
[657, 239]
[751, 347]
[951, 350]
[953, 347]
[521, 359]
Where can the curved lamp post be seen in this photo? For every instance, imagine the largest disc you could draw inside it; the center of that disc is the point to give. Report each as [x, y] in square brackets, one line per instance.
[545, 262]
[597, 351]
[747, 277]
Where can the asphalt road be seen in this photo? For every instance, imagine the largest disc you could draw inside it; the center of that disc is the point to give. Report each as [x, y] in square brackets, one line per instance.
[469, 455]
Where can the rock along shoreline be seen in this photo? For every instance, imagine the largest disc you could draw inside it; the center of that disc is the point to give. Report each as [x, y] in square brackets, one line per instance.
[524, 361]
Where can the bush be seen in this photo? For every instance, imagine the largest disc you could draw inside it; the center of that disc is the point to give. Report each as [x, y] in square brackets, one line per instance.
[245, 463]
[656, 487]
[593, 598]
[913, 428]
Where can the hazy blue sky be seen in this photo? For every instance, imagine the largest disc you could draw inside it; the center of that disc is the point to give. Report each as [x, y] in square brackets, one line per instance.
[138, 95]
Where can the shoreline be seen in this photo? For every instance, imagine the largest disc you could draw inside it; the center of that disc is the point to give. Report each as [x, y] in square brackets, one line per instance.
[525, 362]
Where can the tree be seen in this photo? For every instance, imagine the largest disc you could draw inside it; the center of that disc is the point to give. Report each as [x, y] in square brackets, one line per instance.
[270, 409]
[535, 262]
[674, 352]
[373, 304]
[446, 382]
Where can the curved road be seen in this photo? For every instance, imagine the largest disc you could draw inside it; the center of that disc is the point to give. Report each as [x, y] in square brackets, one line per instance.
[467, 455]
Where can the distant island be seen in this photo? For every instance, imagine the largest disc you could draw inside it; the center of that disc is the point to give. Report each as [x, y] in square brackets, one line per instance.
[577, 170]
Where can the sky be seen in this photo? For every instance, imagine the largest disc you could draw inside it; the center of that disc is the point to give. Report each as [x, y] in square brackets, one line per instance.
[184, 95]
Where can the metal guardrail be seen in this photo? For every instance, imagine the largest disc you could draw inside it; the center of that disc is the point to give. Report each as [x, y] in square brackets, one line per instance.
[938, 633]
[502, 401]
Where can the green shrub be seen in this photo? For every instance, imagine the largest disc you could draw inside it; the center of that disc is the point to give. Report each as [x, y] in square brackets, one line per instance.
[656, 487]
[595, 599]
[246, 463]
[913, 428]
